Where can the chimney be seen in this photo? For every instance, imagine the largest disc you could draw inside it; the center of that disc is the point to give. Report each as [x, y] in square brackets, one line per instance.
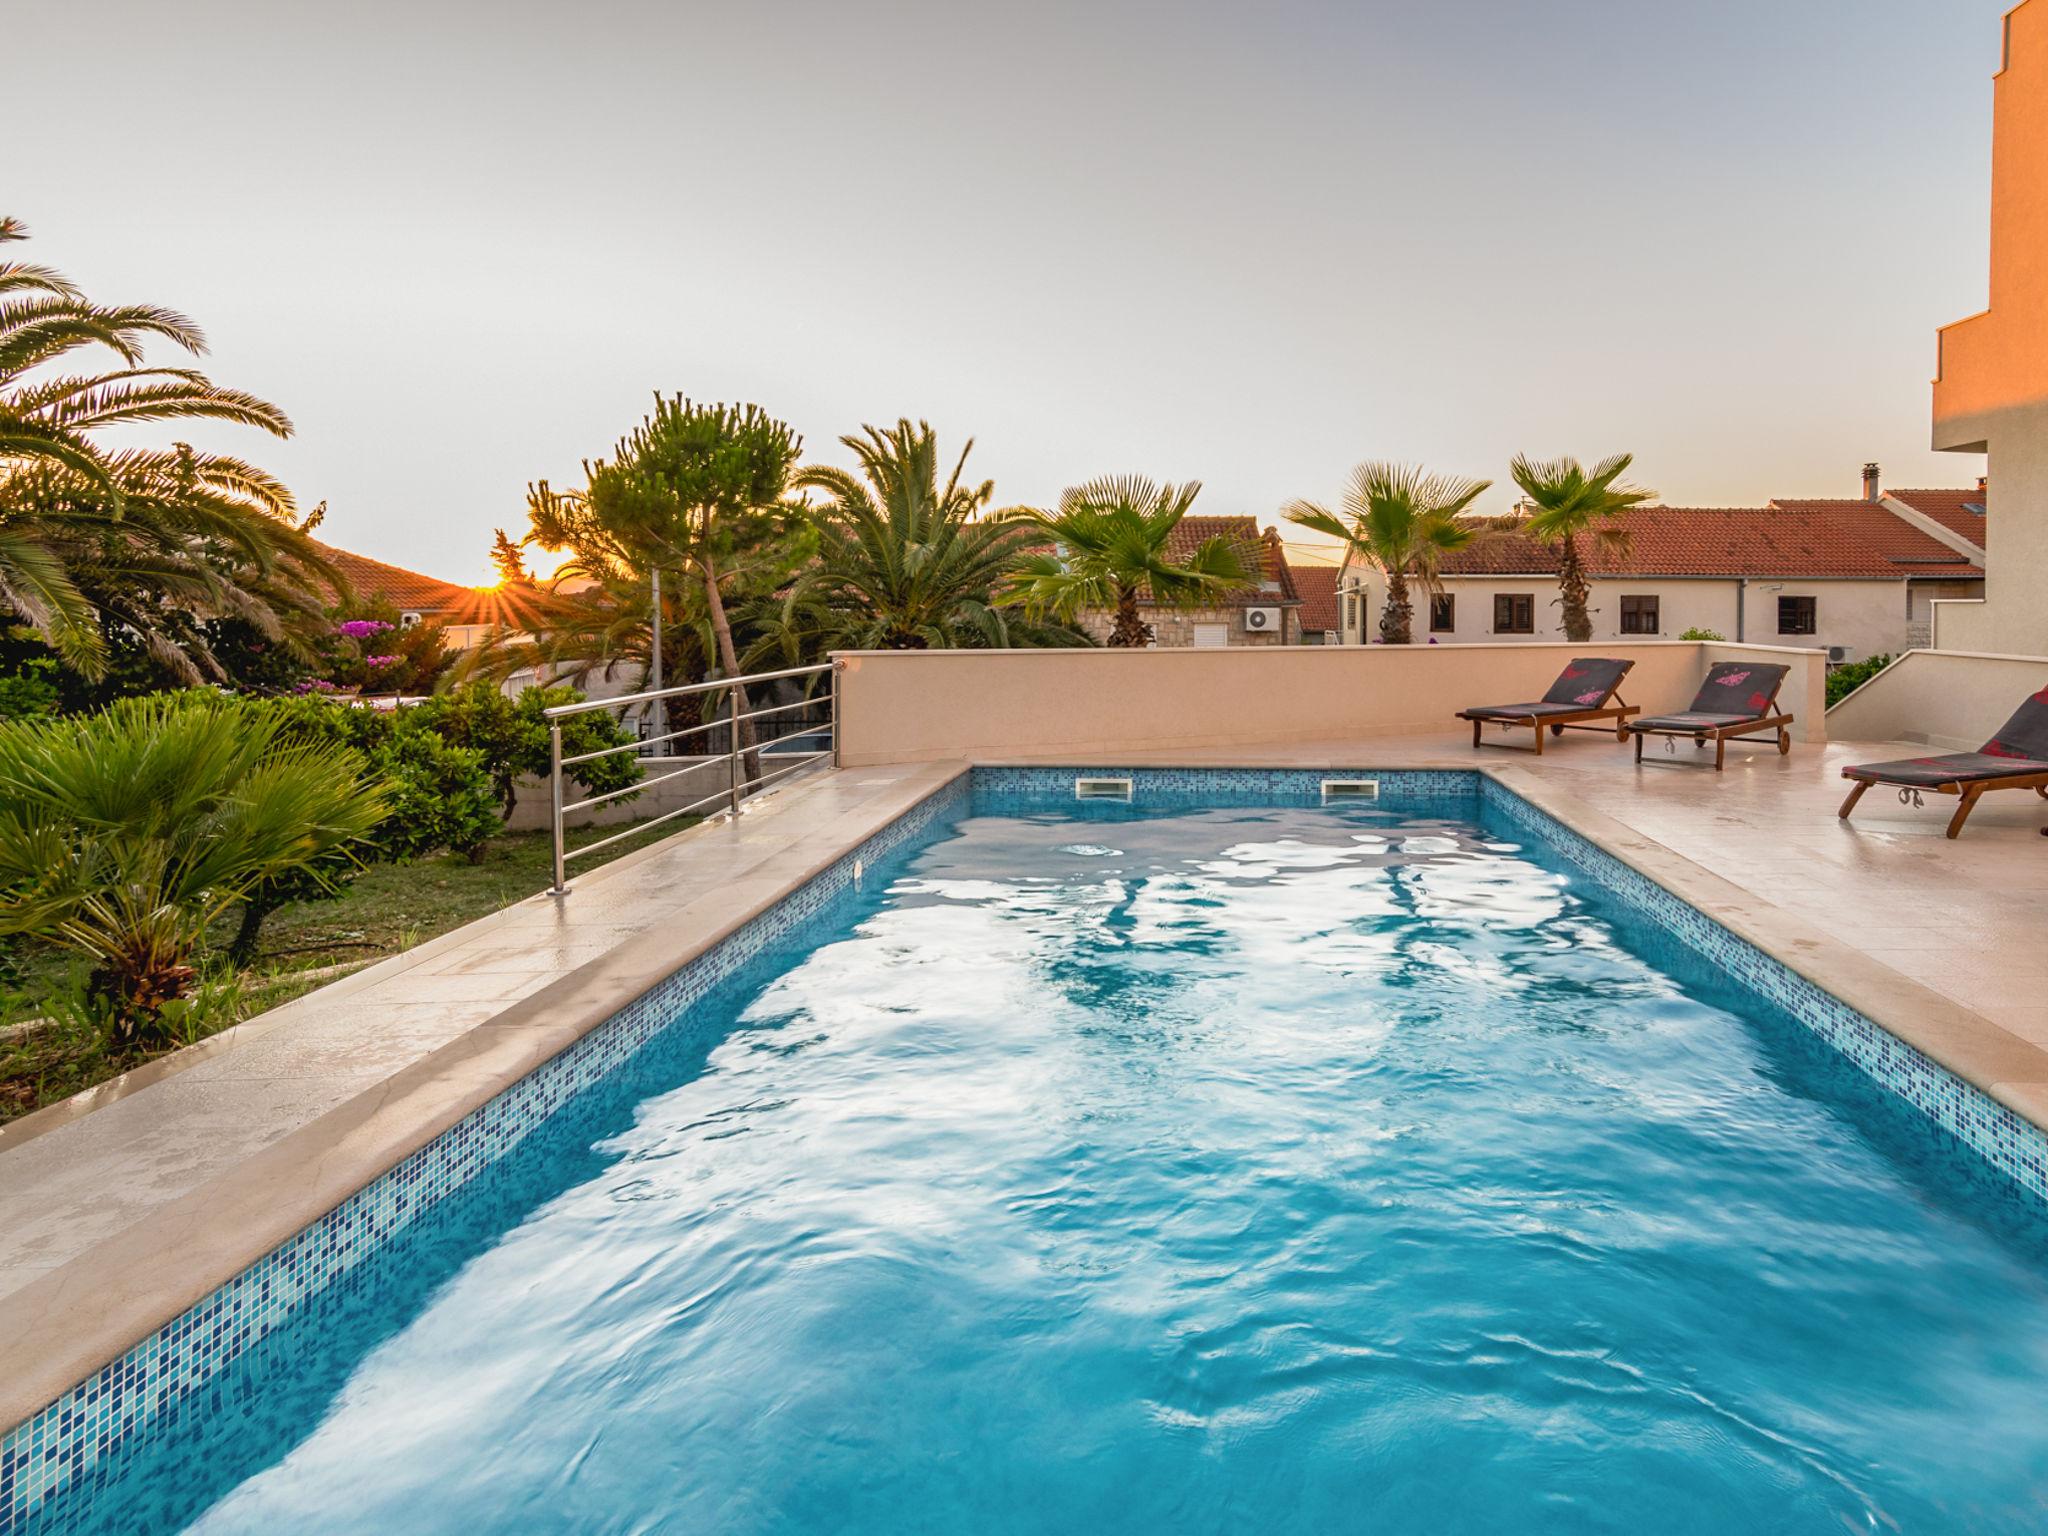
[1872, 483]
[1983, 484]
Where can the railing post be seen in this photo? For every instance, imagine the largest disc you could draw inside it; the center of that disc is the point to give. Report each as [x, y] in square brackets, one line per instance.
[561, 885]
[734, 754]
[835, 712]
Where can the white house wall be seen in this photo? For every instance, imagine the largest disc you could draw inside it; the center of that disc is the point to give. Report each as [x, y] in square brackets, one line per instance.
[1865, 618]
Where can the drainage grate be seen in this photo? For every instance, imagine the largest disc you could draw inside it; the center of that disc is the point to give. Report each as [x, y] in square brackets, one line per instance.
[1350, 789]
[1102, 789]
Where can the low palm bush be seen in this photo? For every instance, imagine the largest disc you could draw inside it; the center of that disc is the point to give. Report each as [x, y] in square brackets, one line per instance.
[1112, 539]
[124, 834]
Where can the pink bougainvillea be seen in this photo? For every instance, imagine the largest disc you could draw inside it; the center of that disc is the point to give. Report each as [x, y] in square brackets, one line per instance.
[361, 629]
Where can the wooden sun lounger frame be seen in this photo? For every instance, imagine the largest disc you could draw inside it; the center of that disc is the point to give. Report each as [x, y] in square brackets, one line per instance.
[1970, 791]
[1719, 735]
[1619, 712]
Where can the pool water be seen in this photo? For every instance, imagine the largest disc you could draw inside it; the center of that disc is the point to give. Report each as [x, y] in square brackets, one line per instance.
[1207, 1168]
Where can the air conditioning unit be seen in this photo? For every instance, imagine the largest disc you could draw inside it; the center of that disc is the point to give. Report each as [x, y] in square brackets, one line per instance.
[1838, 653]
[1262, 621]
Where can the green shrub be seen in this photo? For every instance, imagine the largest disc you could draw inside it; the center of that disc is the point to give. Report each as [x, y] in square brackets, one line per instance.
[124, 834]
[29, 689]
[1696, 633]
[1845, 680]
[513, 736]
[440, 796]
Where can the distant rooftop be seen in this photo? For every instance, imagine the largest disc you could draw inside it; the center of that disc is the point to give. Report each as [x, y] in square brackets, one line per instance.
[408, 591]
[1787, 539]
[1317, 585]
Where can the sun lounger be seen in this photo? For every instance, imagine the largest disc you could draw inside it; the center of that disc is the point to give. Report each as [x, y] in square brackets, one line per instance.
[1738, 698]
[2015, 758]
[1588, 689]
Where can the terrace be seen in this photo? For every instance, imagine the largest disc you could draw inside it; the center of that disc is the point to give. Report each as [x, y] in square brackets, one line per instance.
[128, 1205]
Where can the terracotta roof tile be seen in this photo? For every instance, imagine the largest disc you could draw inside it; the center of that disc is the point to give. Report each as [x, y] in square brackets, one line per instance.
[408, 591]
[1958, 511]
[1881, 532]
[1258, 551]
[1317, 585]
[1788, 539]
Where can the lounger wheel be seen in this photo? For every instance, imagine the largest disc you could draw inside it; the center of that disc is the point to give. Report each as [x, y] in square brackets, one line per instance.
[1784, 742]
[1557, 730]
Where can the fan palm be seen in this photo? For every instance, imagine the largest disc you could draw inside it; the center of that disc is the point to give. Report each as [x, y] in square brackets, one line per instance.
[905, 562]
[124, 834]
[62, 493]
[1568, 503]
[1403, 521]
[1113, 536]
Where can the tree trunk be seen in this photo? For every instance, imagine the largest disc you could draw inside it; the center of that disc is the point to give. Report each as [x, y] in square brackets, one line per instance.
[1571, 586]
[1130, 629]
[243, 949]
[728, 659]
[1399, 613]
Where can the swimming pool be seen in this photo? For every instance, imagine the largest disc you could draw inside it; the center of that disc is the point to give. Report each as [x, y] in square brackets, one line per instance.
[1224, 1161]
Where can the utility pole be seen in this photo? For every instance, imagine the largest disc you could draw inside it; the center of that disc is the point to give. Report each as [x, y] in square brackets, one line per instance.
[660, 709]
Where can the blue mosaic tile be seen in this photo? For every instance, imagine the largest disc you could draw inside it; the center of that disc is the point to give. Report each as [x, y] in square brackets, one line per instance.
[2012, 1145]
[51, 1465]
[1290, 783]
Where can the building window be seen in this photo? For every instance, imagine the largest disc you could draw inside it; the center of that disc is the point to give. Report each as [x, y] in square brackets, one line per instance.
[1639, 615]
[1514, 613]
[1351, 618]
[1797, 616]
[1443, 613]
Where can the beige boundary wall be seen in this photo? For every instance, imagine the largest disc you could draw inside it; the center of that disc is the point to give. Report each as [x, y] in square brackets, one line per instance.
[924, 706]
[1948, 699]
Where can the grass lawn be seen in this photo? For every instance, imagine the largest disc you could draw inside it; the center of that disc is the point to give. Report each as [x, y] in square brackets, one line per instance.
[390, 908]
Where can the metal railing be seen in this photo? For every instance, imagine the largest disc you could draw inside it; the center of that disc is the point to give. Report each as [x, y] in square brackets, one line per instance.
[746, 758]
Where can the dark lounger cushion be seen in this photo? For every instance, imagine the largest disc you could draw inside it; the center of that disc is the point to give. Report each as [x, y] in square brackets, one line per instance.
[2025, 734]
[1587, 681]
[1955, 768]
[1689, 720]
[1739, 689]
[1519, 711]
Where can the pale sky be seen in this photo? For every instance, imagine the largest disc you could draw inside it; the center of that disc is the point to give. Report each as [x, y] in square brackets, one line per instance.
[1248, 244]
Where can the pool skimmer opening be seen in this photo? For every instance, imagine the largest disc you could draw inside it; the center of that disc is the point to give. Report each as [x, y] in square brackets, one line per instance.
[1350, 789]
[1102, 789]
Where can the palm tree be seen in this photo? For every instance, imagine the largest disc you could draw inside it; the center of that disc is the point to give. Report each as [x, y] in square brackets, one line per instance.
[904, 562]
[1113, 535]
[1403, 521]
[1568, 502]
[83, 527]
[127, 832]
[183, 537]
